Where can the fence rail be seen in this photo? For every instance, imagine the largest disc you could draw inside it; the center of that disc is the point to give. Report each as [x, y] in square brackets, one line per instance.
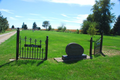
[25, 50]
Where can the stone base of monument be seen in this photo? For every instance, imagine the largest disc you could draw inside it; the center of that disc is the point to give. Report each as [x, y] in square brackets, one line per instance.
[61, 60]
[79, 57]
[74, 52]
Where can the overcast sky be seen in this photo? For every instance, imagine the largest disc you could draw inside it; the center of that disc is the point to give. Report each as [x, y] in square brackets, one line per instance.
[70, 12]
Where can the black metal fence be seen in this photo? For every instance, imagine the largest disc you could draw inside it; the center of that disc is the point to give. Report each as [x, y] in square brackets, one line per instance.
[28, 48]
[97, 46]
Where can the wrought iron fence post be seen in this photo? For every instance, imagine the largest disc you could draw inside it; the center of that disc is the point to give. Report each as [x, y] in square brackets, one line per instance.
[91, 48]
[46, 48]
[17, 44]
[101, 43]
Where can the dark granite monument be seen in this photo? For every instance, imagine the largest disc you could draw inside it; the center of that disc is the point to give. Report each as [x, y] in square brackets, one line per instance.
[74, 52]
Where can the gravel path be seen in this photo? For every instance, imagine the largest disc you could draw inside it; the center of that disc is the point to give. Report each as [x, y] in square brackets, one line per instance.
[6, 36]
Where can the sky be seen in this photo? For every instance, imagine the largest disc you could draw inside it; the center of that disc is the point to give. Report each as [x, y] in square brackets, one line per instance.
[71, 13]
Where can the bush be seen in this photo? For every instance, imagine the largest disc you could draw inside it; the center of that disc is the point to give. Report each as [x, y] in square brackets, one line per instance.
[61, 29]
[49, 28]
[77, 31]
[38, 28]
[13, 27]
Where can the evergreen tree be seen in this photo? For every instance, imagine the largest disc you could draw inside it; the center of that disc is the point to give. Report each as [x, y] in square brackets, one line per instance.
[34, 25]
[116, 27]
[23, 25]
[49, 28]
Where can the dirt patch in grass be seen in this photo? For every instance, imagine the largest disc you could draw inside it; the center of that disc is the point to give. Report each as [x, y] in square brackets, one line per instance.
[110, 52]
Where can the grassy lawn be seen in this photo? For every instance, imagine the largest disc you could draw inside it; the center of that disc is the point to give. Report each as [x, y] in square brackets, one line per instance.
[100, 68]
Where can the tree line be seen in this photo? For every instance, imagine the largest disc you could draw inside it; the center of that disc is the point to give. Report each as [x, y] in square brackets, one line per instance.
[101, 19]
[45, 24]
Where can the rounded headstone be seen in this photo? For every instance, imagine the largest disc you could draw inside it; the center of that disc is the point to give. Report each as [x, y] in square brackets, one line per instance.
[74, 49]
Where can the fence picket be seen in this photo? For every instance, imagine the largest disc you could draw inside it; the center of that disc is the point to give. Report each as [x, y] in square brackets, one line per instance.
[30, 51]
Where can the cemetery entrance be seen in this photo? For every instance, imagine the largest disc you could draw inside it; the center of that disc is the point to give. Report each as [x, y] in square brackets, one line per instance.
[28, 48]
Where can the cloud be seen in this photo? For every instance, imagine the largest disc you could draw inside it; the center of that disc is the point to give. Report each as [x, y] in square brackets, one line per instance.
[6, 10]
[18, 16]
[64, 15]
[115, 1]
[12, 18]
[81, 17]
[32, 19]
[78, 19]
[80, 2]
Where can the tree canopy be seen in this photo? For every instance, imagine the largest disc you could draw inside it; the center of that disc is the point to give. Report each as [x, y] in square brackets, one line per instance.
[62, 28]
[3, 23]
[116, 27]
[46, 24]
[85, 26]
[24, 26]
[13, 26]
[34, 25]
[102, 15]
[92, 29]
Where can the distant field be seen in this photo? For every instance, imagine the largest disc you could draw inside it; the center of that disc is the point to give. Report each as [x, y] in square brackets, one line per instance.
[72, 30]
[101, 68]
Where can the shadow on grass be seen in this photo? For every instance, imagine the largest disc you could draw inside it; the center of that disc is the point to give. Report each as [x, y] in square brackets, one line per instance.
[32, 62]
[72, 62]
[97, 55]
[6, 64]
[21, 62]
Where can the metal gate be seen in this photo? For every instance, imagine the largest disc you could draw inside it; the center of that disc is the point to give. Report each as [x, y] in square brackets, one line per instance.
[28, 48]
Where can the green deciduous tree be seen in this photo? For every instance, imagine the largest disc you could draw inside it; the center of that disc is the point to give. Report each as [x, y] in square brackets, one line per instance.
[85, 26]
[102, 15]
[62, 28]
[13, 26]
[77, 31]
[46, 24]
[116, 27]
[3, 23]
[92, 29]
[38, 28]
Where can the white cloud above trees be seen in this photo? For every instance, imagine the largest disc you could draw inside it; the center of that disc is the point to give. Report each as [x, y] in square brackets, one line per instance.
[80, 2]
[6, 10]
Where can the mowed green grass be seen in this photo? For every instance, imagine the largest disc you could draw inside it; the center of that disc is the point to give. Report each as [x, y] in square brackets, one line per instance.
[100, 68]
